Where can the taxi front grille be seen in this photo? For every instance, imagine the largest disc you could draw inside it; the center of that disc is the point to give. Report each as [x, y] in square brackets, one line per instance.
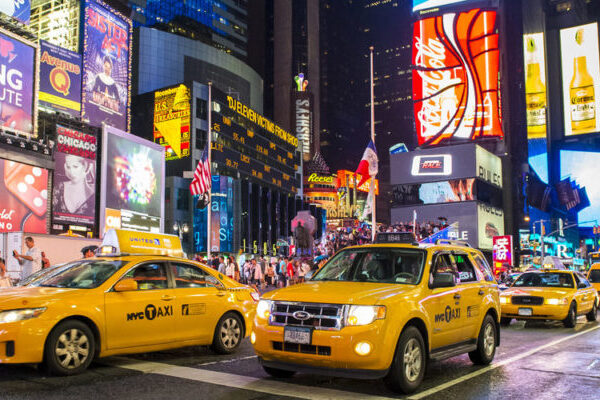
[313, 315]
[302, 348]
[528, 300]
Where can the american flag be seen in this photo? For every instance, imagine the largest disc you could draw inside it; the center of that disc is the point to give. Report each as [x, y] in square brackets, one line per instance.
[202, 178]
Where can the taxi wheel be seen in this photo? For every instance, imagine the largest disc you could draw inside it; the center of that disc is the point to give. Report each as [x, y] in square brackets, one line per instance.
[571, 319]
[593, 314]
[408, 365]
[69, 349]
[228, 334]
[486, 342]
[278, 373]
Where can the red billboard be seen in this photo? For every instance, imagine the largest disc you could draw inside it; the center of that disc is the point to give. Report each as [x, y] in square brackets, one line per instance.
[455, 78]
[503, 250]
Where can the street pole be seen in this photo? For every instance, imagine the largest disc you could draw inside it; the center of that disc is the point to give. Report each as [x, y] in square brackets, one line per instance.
[208, 209]
[374, 205]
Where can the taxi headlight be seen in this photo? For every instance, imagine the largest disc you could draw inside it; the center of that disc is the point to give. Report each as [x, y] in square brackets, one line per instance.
[20, 315]
[556, 302]
[263, 309]
[364, 315]
[504, 299]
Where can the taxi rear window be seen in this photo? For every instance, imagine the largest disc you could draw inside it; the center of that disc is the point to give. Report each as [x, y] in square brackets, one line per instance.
[594, 276]
[82, 274]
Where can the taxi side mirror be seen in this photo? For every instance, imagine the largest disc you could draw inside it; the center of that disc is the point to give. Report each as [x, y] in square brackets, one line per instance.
[126, 285]
[581, 285]
[443, 280]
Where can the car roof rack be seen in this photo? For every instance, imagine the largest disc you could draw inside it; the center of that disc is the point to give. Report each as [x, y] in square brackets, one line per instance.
[453, 242]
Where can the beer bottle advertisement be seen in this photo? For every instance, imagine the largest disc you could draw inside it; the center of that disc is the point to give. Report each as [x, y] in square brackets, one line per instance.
[581, 79]
[535, 85]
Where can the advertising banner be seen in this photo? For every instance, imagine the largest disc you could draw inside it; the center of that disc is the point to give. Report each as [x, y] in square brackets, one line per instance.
[502, 249]
[74, 192]
[17, 85]
[581, 167]
[221, 217]
[23, 197]
[419, 5]
[348, 179]
[133, 176]
[302, 114]
[107, 66]
[455, 78]
[18, 9]
[580, 79]
[490, 222]
[172, 121]
[60, 79]
[535, 85]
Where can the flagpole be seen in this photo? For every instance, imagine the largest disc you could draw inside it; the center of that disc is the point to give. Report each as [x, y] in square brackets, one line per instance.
[208, 207]
[374, 208]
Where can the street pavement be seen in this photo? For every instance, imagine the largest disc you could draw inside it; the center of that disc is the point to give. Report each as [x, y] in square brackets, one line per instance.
[536, 360]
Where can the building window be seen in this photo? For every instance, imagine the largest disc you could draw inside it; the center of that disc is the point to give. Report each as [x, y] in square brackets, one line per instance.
[201, 109]
[182, 200]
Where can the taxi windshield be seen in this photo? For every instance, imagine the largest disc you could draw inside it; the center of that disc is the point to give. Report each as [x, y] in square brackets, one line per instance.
[380, 265]
[594, 276]
[81, 274]
[547, 279]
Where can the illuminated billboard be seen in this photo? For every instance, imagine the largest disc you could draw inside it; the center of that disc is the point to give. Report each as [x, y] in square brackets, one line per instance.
[18, 80]
[490, 223]
[347, 178]
[23, 197]
[18, 9]
[455, 78]
[502, 249]
[581, 167]
[60, 79]
[74, 192]
[419, 5]
[106, 87]
[172, 121]
[222, 223]
[133, 178]
[535, 85]
[580, 79]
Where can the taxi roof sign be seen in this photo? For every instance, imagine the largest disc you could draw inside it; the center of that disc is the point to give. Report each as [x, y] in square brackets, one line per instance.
[120, 241]
[396, 237]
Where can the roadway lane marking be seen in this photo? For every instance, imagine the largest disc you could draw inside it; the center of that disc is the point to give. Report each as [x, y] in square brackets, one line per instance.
[268, 386]
[499, 364]
[228, 361]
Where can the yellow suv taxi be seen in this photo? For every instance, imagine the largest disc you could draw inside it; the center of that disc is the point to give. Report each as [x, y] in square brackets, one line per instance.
[382, 311]
[549, 294]
[594, 277]
[121, 303]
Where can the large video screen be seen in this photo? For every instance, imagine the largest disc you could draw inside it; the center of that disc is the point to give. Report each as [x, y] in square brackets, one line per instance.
[107, 65]
[580, 79]
[419, 5]
[60, 79]
[133, 177]
[581, 167]
[535, 85]
[455, 78]
[17, 84]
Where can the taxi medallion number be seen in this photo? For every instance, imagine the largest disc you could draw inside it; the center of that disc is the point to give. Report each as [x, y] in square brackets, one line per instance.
[292, 334]
[525, 312]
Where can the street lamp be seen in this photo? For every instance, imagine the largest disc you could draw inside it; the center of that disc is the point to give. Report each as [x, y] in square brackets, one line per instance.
[180, 229]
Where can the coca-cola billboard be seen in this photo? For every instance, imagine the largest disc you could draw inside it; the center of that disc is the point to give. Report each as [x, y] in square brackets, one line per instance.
[455, 78]
[23, 197]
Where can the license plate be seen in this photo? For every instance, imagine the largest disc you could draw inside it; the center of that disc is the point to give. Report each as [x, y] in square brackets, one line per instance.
[525, 311]
[293, 334]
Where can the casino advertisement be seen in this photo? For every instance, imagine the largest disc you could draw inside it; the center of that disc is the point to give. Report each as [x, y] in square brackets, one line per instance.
[18, 9]
[455, 78]
[172, 121]
[74, 192]
[17, 83]
[133, 177]
[23, 198]
[60, 79]
[107, 65]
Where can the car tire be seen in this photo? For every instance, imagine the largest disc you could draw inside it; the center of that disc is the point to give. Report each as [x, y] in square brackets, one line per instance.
[505, 321]
[278, 373]
[228, 335]
[486, 342]
[571, 319]
[593, 314]
[409, 363]
[70, 348]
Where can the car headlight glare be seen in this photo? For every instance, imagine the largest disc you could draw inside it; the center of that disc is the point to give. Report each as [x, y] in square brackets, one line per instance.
[20, 314]
[556, 302]
[364, 315]
[263, 309]
[504, 299]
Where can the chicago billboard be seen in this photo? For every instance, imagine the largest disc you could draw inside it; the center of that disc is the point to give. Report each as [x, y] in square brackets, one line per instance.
[455, 78]
[18, 80]
[106, 87]
[60, 79]
[172, 121]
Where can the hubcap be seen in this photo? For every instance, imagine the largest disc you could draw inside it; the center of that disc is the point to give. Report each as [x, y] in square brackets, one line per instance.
[412, 360]
[489, 340]
[72, 349]
[230, 333]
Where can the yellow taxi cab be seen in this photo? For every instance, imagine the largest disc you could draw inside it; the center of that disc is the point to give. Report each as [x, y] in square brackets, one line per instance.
[594, 276]
[137, 295]
[549, 294]
[382, 311]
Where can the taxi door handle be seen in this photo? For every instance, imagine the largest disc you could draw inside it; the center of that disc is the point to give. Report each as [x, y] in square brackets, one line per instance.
[457, 296]
[166, 297]
[481, 292]
[221, 293]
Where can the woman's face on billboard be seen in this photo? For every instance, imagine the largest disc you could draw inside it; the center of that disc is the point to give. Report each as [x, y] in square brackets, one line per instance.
[75, 168]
